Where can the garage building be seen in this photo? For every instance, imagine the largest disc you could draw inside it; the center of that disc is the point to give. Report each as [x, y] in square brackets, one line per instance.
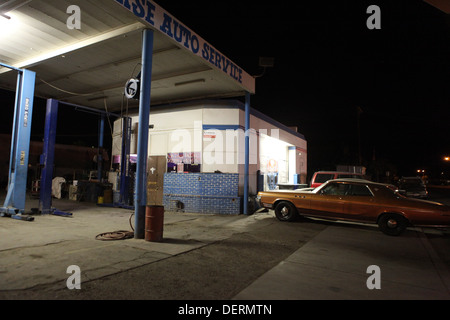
[199, 149]
[93, 55]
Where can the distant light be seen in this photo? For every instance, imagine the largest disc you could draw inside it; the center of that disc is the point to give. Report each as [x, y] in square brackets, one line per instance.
[447, 158]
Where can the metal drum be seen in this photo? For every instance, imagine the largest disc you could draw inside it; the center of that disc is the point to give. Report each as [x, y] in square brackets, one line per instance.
[154, 223]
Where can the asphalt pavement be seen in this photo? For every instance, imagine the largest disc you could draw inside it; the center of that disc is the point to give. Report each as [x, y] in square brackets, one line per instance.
[332, 261]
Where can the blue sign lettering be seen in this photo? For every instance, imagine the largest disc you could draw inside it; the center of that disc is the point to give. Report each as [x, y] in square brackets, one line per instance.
[138, 9]
[195, 45]
[141, 8]
[145, 9]
[180, 33]
[220, 61]
[166, 26]
[125, 3]
[205, 53]
[150, 13]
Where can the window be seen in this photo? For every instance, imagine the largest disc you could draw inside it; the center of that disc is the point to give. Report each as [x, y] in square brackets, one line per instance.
[359, 190]
[346, 189]
[323, 177]
[349, 175]
[336, 189]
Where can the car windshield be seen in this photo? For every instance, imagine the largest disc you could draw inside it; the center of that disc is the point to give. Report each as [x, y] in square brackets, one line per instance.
[323, 177]
[386, 191]
[411, 183]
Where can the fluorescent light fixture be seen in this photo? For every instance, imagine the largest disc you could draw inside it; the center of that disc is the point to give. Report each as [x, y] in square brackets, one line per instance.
[78, 45]
[98, 98]
[189, 82]
[11, 5]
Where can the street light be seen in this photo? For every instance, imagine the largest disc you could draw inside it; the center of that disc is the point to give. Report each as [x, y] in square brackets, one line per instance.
[446, 158]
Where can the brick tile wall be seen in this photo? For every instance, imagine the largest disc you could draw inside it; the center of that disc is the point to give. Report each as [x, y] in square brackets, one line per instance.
[215, 193]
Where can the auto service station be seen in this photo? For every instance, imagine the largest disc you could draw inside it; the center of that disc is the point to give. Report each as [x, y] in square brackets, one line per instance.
[137, 66]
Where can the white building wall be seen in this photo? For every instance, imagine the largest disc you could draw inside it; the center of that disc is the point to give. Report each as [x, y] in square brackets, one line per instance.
[220, 141]
[218, 134]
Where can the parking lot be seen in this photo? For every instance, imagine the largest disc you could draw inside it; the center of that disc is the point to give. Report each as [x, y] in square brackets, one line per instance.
[220, 257]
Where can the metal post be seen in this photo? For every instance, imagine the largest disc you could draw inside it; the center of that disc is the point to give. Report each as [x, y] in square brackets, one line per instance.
[14, 204]
[142, 148]
[48, 156]
[100, 148]
[125, 163]
[247, 150]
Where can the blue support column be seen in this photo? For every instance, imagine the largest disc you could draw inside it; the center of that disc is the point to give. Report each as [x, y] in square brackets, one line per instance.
[247, 150]
[14, 204]
[48, 156]
[142, 148]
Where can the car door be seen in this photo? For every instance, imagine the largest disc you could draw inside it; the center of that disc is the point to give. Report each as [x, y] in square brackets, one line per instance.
[329, 202]
[301, 200]
[360, 203]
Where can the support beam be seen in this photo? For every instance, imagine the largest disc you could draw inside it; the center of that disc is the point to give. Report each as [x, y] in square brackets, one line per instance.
[247, 150]
[48, 156]
[142, 148]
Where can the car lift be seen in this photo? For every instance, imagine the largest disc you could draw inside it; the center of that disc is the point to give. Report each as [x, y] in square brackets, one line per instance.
[14, 205]
[47, 160]
[125, 166]
[47, 157]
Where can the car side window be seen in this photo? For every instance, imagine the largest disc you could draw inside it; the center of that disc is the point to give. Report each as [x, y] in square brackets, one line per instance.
[335, 189]
[359, 190]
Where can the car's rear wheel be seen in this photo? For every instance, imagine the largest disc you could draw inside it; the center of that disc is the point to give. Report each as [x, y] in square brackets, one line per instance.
[286, 211]
[392, 224]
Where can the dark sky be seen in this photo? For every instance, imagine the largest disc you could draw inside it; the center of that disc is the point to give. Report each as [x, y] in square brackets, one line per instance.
[329, 65]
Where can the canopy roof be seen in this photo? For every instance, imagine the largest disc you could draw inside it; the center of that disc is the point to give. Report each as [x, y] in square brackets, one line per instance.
[90, 66]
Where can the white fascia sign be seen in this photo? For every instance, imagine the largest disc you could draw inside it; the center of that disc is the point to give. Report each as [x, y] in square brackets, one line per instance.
[162, 21]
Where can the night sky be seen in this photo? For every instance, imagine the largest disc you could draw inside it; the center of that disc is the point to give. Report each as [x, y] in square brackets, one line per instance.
[331, 71]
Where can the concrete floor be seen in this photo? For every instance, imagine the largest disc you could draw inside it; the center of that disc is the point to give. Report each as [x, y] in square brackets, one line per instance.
[330, 264]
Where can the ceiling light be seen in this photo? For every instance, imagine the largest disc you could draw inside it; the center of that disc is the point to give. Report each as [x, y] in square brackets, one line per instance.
[11, 5]
[189, 82]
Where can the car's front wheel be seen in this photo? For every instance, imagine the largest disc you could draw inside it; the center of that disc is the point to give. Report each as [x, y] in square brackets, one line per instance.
[392, 224]
[286, 211]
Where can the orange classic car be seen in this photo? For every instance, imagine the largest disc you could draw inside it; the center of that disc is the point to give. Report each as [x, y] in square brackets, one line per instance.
[357, 200]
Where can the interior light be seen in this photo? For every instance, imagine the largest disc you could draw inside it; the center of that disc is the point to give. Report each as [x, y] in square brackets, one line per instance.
[9, 24]
[189, 82]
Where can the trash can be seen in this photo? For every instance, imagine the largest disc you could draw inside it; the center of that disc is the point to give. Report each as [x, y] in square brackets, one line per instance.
[154, 223]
